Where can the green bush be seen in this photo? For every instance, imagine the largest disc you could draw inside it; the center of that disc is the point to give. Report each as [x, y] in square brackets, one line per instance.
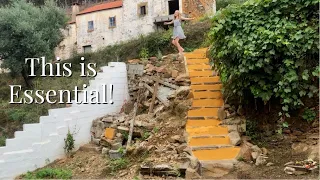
[268, 49]
[309, 115]
[224, 3]
[49, 173]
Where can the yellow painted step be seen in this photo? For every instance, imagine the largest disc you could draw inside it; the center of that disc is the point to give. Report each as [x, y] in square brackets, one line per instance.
[200, 73]
[217, 154]
[201, 50]
[203, 112]
[206, 87]
[206, 94]
[207, 103]
[198, 123]
[200, 67]
[210, 141]
[215, 79]
[197, 61]
[207, 131]
[195, 55]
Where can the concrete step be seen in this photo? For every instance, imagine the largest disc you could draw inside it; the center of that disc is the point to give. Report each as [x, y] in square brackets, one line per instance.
[207, 95]
[197, 61]
[207, 103]
[199, 55]
[207, 131]
[200, 123]
[199, 67]
[216, 87]
[206, 73]
[203, 112]
[227, 153]
[209, 141]
[215, 79]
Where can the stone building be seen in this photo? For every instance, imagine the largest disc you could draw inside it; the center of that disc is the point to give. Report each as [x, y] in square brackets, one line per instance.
[112, 22]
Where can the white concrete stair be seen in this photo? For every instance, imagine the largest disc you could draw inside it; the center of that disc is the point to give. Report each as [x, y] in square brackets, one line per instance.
[44, 141]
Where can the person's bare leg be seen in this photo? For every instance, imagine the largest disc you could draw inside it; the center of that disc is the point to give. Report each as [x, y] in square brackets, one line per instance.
[180, 49]
[174, 43]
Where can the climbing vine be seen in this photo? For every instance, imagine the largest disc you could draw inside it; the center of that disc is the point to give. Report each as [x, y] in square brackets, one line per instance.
[269, 48]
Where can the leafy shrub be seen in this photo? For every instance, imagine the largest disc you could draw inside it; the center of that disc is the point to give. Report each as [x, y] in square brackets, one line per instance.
[49, 173]
[2, 141]
[118, 164]
[68, 143]
[309, 115]
[268, 55]
[144, 53]
[224, 3]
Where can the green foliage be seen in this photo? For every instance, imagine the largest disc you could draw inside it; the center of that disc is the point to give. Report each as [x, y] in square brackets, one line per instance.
[309, 115]
[121, 150]
[268, 55]
[27, 31]
[68, 143]
[145, 135]
[118, 164]
[156, 129]
[224, 3]
[2, 140]
[144, 53]
[49, 173]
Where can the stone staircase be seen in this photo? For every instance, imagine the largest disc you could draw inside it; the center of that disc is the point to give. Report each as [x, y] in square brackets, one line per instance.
[208, 139]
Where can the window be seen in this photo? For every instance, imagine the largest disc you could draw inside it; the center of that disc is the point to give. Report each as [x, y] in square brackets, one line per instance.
[112, 22]
[90, 25]
[87, 49]
[143, 10]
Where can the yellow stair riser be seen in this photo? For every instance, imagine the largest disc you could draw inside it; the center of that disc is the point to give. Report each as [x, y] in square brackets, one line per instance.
[207, 103]
[198, 123]
[206, 87]
[203, 112]
[206, 94]
[217, 154]
[197, 61]
[195, 56]
[215, 79]
[207, 131]
[206, 73]
[211, 141]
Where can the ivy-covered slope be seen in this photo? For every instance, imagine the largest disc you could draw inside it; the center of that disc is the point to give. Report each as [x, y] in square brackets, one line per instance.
[269, 48]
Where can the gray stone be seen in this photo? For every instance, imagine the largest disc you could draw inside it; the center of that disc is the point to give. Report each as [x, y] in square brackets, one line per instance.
[270, 164]
[254, 155]
[235, 138]
[192, 174]
[108, 119]
[181, 148]
[261, 160]
[216, 170]
[182, 91]
[96, 141]
[289, 163]
[232, 128]
[116, 146]
[194, 162]
[134, 69]
[289, 170]
[105, 150]
[115, 154]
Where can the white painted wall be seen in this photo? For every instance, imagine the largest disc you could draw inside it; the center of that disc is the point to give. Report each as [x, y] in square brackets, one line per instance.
[43, 141]
[102, 35]
[68, 45]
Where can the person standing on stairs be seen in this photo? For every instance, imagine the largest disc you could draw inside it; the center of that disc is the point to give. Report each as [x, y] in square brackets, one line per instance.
[177, 30]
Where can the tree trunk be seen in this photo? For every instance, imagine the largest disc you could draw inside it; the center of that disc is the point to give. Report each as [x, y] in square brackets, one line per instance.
[27, 80]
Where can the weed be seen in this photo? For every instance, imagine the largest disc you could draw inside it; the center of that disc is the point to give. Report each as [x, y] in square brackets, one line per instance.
[156, 129]
[145, 135]
[49, 173]
[121, 150]
[144, 53]
[159, 55]
[241, 158]
[136, 178]
[68, 143]
[309, 115]
[118, 164]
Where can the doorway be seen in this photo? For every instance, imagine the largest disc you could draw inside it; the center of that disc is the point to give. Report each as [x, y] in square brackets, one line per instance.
[173, 6]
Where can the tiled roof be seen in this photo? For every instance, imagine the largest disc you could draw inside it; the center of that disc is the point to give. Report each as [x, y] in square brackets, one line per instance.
[104, 6]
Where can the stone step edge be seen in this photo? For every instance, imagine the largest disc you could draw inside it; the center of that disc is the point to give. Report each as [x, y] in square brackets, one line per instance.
[210, 147]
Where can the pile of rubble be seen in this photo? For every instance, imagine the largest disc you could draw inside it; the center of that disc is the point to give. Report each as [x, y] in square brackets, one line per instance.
[156, 115]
